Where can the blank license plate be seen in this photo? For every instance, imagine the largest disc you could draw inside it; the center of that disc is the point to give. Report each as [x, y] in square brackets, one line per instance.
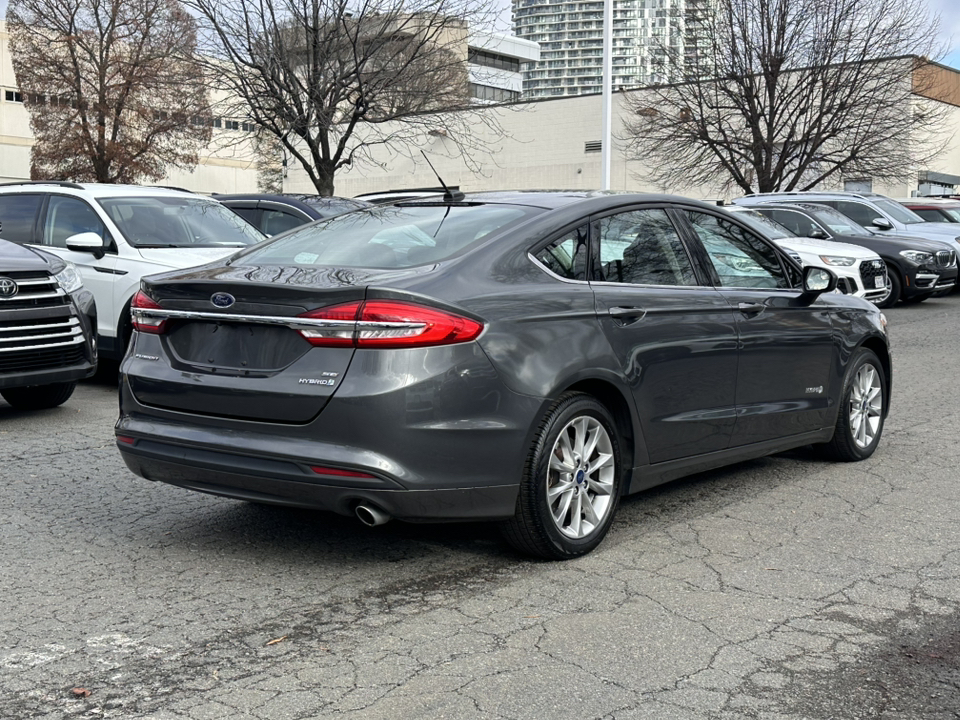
[879, 282]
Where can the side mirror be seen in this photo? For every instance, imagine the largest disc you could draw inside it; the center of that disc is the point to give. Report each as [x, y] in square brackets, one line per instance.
[818, 234]
[882, 224]
[86, 242]
[817, 281]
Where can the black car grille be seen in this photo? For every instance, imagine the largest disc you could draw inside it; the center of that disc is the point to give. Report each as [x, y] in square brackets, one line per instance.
[27, 360]
[34, 289]
[38, 343]
[946, 258]
[869, 271]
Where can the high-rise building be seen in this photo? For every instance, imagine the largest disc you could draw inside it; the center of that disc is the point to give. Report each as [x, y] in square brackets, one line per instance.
[570, 33]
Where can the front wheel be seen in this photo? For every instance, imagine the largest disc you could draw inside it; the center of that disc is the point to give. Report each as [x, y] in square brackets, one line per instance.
[894, 285]
[40, 397]
[571, 482]
[862, 409]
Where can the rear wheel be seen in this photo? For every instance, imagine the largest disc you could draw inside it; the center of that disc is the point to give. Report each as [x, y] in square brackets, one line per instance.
[895, 285]
[40, 397]
[571, 482]
[862, 408]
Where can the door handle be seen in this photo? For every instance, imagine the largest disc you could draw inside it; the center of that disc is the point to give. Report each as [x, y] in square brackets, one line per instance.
[627, 313]
[749, 308]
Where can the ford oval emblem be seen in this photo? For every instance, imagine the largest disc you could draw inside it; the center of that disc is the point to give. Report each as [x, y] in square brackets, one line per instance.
[222, 300]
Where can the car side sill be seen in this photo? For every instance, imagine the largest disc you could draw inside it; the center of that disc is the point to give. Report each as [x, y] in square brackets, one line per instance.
[648, 476]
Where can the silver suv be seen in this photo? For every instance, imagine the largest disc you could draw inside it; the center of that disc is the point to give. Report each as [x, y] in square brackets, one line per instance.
[877, 213]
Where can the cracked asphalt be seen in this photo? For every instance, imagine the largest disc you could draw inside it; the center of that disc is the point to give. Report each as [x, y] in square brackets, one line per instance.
[777, 589]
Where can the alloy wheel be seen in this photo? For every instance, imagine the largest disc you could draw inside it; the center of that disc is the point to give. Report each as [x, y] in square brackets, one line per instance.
[866, 405]
[581, 477]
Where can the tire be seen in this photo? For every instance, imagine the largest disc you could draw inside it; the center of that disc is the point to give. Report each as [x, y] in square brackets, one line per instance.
[896, 288]
[853, 441]
[39, 397]
[552, 528]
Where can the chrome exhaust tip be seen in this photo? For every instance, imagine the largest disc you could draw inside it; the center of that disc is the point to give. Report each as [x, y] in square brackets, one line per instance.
[371, 516]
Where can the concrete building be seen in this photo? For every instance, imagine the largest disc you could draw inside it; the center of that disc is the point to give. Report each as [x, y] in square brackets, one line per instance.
[227, 164]
[493, 65]
[570, 34]
[556, 143]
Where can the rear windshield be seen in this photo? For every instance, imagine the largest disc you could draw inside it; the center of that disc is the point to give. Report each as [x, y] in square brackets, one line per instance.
[394, 236]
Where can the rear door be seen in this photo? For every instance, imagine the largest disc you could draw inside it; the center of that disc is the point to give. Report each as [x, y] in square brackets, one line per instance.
[674, 334]
[786, 345]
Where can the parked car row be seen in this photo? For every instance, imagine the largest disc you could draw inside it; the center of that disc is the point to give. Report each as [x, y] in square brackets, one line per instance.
[526, 358]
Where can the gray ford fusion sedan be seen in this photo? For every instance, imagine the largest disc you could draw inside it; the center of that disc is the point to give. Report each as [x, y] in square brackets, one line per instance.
[524, 357]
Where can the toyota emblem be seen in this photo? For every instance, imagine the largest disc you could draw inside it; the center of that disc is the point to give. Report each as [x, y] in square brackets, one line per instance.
[8, 288]
[222, 299]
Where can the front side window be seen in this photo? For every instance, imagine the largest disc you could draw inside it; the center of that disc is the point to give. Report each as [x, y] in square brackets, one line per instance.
[739, 258]
[390, 236]
[566, 256]
[69, 216]
[18, 213]
[858, 212]
[897, 211]
[797, 223]
[275, 222]
[178, 222]
[837, 221]
[642, 247]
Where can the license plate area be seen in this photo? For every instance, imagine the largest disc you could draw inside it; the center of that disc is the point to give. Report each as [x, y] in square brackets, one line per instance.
[236, 347]
[880, 282]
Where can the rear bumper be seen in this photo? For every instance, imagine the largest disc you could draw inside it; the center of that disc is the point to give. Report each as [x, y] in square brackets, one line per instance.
[293, 484]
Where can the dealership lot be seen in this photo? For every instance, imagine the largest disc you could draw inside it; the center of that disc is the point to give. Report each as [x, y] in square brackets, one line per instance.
[785, 587]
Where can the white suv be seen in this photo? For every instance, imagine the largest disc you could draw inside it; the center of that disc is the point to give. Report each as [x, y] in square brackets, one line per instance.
[116, 234]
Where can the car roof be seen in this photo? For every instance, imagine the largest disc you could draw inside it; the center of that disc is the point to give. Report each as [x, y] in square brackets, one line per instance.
[552, 199]
[929, 202]
[819, 193]
[98, 190]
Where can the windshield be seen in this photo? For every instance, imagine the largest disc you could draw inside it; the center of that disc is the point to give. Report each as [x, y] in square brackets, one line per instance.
[389, 236]
[178, 222]
[837, 222]
[897, 211]
[770, 229]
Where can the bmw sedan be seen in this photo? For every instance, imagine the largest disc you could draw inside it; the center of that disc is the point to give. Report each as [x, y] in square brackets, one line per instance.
[527, 358]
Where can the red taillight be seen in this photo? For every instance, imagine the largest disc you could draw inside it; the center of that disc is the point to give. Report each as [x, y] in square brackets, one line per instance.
[389, 324]
[142, 322]
[126, 440]
[340, 473]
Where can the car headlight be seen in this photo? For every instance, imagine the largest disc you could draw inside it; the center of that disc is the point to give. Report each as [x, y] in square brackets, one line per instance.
[69, 279]
[838, 260]
[740, 263]
[917, 256]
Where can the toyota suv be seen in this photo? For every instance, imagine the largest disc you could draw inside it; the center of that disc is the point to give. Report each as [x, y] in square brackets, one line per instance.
[47, 321]
[116, 234]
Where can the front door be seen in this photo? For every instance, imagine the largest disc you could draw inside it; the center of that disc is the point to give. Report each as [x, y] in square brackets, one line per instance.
[786, 344]
[675, 337]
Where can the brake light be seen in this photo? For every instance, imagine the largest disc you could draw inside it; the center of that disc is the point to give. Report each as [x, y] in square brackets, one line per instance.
[389, 324]
[142, 322]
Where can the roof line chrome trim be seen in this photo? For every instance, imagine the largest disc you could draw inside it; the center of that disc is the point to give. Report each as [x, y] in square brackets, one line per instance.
[551, 273]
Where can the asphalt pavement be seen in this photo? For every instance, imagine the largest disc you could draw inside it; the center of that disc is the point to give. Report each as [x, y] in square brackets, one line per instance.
[782, 588]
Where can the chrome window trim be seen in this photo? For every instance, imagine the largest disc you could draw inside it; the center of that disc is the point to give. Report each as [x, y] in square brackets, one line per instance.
[552, 274]
[610, 283]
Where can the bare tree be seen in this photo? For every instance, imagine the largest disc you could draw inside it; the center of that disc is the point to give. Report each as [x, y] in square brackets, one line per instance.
[109, 86]
[331, 80]
[788, 94]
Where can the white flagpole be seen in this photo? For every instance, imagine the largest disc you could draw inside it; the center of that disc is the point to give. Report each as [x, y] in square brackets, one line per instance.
[606, 140]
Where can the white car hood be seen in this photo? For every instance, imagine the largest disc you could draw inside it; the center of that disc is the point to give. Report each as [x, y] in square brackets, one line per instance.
[177, 258]
[827, 247]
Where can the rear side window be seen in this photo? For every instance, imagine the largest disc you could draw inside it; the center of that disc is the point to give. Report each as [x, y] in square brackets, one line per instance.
[18, 213]
[389, 236]
[68, 216]
[740, 258]
[566, 256]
